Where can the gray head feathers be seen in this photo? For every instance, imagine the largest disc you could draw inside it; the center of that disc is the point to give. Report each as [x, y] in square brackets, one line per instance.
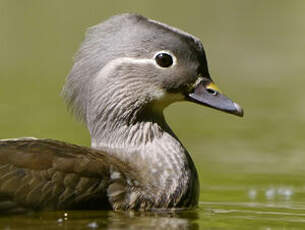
[130, 36]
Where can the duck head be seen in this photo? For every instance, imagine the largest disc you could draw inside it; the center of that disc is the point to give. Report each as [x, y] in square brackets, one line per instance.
[130, 68]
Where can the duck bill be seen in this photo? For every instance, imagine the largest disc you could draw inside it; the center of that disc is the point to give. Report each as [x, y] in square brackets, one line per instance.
[206, 93]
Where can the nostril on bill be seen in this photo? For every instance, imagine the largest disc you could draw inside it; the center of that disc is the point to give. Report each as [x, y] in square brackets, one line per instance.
[212, 91]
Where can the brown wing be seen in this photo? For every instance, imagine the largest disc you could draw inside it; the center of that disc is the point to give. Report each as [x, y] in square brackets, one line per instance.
[46, 174]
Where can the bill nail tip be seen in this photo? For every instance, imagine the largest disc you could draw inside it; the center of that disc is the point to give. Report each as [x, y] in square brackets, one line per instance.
[239, 110]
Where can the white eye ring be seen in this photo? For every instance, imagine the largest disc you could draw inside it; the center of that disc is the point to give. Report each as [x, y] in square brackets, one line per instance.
[171, 63]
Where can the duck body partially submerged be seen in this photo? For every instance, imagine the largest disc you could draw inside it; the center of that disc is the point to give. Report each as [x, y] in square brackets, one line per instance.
[127, 71]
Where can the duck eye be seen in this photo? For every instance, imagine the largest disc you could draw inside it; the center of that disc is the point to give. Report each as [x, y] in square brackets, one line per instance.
[164, 60]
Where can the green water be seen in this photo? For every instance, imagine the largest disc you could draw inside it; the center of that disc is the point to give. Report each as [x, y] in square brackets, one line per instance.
[252, 170]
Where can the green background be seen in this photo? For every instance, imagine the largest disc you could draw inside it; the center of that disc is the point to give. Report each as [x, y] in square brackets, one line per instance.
[256, 53]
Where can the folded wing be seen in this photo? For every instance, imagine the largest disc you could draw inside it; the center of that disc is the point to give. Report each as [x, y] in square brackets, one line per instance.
[40, 174]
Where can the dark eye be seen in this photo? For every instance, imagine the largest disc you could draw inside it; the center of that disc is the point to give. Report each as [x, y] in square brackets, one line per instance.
[164, 60]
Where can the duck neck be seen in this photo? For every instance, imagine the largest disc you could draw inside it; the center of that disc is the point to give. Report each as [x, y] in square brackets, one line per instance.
[121, 130]
[146, 142]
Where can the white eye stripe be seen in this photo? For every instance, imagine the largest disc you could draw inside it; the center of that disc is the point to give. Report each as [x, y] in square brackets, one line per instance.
[113, 64]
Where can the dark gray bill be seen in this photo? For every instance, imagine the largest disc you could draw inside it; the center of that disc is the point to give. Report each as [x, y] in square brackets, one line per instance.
[206, 93]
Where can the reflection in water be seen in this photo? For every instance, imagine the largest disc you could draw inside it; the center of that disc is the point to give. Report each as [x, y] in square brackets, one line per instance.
[285, 192]
[210, 215]
[252, 194]
[102, 220]
[272, 193]
[181, 220]
[93, 225]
